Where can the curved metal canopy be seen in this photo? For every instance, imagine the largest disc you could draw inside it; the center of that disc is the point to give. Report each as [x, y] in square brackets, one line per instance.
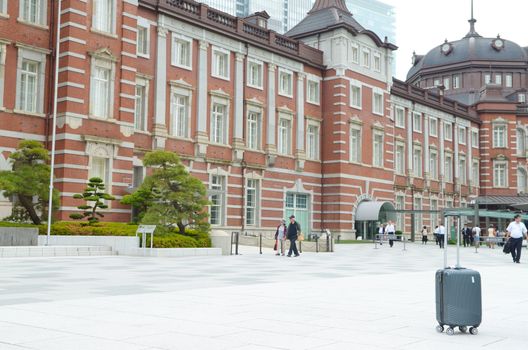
[370, 211]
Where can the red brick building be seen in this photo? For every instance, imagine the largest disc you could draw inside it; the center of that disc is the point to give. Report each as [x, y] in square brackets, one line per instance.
[309, 123]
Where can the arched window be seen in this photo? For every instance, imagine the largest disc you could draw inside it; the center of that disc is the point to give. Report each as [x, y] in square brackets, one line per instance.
[522, 179]
[521, 142]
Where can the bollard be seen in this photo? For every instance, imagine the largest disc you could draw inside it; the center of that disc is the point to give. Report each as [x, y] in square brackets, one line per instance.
[316, 244]
[237, 234]
[327, 242]
[404, 241]
[300, 246]
[260, 243]
[375, 242]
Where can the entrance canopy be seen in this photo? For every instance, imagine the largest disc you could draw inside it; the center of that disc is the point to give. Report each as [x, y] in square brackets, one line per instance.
[375, 211]
[497, 214]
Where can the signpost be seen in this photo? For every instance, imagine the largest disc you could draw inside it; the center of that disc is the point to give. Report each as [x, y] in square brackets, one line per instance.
[144, 230]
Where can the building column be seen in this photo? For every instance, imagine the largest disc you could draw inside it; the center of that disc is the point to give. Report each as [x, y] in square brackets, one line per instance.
[409, 146]
[456, 157]
[469, 159]
[441, 155]
[271, 146]
[300, 154]
[427, 170]
[201, 138]
[238, 134]
[160, 109]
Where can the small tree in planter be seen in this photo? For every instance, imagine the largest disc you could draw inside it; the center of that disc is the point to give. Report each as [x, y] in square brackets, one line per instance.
[94, 195]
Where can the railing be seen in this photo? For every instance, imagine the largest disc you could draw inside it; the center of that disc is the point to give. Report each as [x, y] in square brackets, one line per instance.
[221, 18]
[185, 5]
[286, 42]
[256, 31]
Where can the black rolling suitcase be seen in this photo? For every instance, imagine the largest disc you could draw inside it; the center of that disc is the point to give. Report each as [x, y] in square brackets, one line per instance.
[458, 297]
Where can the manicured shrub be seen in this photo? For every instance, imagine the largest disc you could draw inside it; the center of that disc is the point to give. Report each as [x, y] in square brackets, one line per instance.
[173, 240]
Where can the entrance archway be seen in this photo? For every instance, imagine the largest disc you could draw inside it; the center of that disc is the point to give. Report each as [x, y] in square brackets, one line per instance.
[369, 214]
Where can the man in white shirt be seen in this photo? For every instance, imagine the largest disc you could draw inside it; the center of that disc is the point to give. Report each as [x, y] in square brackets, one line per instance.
[390, 230]
[476, 236]
[441, 235]
[516, 231]
[381, 233]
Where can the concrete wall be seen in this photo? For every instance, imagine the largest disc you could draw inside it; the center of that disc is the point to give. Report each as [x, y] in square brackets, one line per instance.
[117, 243]
[18, 236]
[171, 252]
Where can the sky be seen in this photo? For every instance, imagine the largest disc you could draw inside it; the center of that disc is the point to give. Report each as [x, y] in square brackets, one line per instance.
[422, 25]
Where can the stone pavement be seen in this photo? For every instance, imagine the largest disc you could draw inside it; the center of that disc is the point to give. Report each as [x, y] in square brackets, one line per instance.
[357, 298]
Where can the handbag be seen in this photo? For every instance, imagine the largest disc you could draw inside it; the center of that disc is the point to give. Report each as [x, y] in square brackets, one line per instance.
[300, 236]
[275, 246]
[507, 247]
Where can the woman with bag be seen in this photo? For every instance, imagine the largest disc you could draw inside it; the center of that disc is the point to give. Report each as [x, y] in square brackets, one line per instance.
[280, 237]
[424, 235]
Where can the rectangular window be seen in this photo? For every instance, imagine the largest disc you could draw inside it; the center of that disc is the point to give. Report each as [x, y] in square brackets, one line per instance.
[253, 130]
[433, 164]
[400, 159]
[499, 136]
[366, 58]
[101, 92]
[255, 73]
[508, 80]
[354, 53]
[456, 81]
[498, 79]
[31, 11]
[312, 142]
[475, 138]
[137, 176]
[217, 189]
[284, 144]
[448, 167]
[521, 98]
[312, 88]
[499, 174]
[220, 63]
[475, 172]
[3, 7]
[448, 131]
[285, 83]
[103, 15]
[251, 202]
[140, 112]
[377, 102]
[377, 62]
[418, 223]
[417, 122]
[433, 126]
[143, 41]
[399, 117]
[434, 215]
[29, 82]
[218, 123]
[377, 150]
[355, 145]
[462, 135]
[417, 162]
[447, 82]
[179, 115]
[436, 82]
[400, 218]
[181, 51]
[99, 167]
[462, 170]
[355, 95]
[487, 78]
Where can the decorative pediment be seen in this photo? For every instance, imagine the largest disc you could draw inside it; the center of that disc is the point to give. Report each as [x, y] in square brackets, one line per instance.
[181, 84]
[377, 125]
[220, 93]
[355, 120]
[499, 120]
[103, 53]
[500, 157]
[284, 109]
[255, 102]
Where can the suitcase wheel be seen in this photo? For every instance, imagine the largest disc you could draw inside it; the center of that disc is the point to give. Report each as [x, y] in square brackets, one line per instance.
[450, 331]
[473, 330]
[463, 329]
[439, 328]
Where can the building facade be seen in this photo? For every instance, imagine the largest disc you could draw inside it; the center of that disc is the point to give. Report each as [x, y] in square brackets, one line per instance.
[310, 123]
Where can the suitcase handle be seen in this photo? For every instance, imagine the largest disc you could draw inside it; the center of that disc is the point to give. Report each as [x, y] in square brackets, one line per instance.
[457, 266]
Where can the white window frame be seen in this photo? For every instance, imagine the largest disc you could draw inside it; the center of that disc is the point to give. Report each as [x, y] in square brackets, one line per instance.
[3, 52]
[175, 122]
[108, 64]
[355, 84]
[175, 54]
[251, 62]
[433, 163]
[498, 78]
[256, 143]
[41, 12]
[475, 172]
[289, 92]
[144, 83]
[144, 24]
[462, 135]
[447, 83]
[522, 189]
[457, 81]
[474, 138]
[313, 84]
[26, 54]
[448, 170]
[399, 158]
[397, 122]
[3, 9]
[313, 148]
[111, 17]
[289, 130]
[520, 133]
[224, 135]
[417, 127]
[462, 169]
[508, 80]
[377, 159]
[219, 190]
[376, 92]
[256, 207]
[417, 167]
[359, 129]
[376, 58]
[503, 142]
[433, 121]
[215, 69]
[448, 131]
[365, 62]
[496, 179]
[437, 82]
[354, 48]
[487, 78]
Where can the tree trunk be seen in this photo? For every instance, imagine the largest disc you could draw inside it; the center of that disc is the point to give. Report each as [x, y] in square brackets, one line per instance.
[181, 227]
[27, 203]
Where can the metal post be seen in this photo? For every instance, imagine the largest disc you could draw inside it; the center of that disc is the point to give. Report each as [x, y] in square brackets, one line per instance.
[412, 226]
[404, 241]
[459, 228]
[54, 123]
[151, 239]
[445, 243]
[231, 245]
[327, 242]
[260, 243]
[300, 246]
[237, 235]
[317, 244]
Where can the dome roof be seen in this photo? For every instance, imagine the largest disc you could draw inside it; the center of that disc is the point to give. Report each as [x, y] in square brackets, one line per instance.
[469, 48]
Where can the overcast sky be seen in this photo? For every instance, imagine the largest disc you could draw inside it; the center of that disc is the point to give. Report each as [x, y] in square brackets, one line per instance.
[423, 24]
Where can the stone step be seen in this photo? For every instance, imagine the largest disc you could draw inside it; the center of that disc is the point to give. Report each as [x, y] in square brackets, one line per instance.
[44, 251]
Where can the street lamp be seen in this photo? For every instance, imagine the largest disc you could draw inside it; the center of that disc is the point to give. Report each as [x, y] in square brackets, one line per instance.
[54, 127]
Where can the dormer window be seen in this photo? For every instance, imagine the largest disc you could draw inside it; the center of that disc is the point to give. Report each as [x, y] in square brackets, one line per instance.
[261, 23]
[521, 97]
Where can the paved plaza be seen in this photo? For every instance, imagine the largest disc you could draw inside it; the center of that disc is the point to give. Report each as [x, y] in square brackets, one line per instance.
[357, 298]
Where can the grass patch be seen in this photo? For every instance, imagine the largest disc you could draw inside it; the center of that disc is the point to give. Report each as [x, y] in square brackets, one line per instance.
[353, 241]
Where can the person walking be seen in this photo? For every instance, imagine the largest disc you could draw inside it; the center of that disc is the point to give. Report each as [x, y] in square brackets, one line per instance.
[381, 233]
[491, 237]
[466, 233]
[516, 231]
[424, 235]
[280, 237]
[476, 236]
[390, 231]
[435, 233]
[294, 229]
[441, 235]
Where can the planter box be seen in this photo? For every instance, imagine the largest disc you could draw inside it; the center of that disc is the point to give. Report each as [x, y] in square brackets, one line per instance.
[117, 243]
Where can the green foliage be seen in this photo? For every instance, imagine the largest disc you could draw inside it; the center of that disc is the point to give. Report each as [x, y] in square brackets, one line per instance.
[94, 195]
[170, 197]
[398, 233]
[29, 179]
[174, 240]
